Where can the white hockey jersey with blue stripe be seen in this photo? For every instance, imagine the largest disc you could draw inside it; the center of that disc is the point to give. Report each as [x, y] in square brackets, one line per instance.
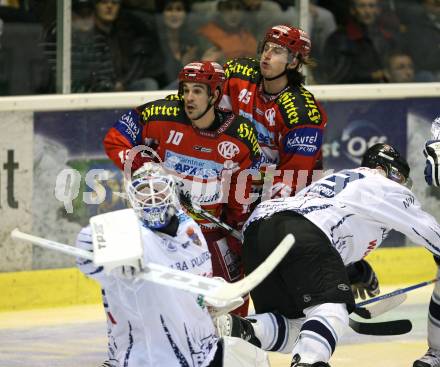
[156, 325]
[356, 209]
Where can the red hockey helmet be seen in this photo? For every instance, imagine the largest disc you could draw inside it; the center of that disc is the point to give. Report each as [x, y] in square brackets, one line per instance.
[294, 39]
[205, 72]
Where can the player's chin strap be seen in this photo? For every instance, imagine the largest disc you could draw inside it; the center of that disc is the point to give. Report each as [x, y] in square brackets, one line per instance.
[208, 107]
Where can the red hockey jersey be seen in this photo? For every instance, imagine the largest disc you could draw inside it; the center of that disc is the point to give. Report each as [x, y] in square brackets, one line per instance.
[199, 158]
[289, 125]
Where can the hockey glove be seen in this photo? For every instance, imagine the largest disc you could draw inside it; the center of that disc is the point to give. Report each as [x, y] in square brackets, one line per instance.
[363, 280]
[437, 260]
[432, 155]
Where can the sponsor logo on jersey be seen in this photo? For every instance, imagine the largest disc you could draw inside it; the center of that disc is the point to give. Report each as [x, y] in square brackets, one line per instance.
[228, 149]
[128, 126]
[163, 110]
[192, 166]
[236, 68]
[199, 148]
[245, 132]
[287, 101]
[270, 116]
[305, 141]
[311, 106]
[202, 193]
[290, 107]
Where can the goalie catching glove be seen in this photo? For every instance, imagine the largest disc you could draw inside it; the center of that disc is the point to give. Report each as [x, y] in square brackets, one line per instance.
[363, 280]
[432, 155]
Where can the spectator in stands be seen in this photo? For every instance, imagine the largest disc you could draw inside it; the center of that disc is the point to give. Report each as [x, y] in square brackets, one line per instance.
[264, 14]
[227, 36]
[353, 54]
[259, 14]
[399, 68]
[177, 38]
[111, 51]
[423, 36]
[132, 47]
[322, 24]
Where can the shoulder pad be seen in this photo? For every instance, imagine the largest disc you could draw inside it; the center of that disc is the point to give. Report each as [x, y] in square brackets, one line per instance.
[162, 110]
[243, 68]
[299, 107]
[244, 131]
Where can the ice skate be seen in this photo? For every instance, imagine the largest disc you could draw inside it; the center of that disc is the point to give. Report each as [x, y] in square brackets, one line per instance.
[233, 325]
[430, 359]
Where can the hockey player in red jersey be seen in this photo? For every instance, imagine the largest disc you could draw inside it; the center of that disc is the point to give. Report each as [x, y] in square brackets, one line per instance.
[205, 147]
[288, 119]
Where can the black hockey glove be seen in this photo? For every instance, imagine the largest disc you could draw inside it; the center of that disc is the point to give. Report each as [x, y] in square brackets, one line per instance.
[437, 260]
[432, 169]
[363, 280]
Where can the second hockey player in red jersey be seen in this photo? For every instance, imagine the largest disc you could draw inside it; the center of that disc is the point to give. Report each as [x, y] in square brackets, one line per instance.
[206, 148]
[288, 119]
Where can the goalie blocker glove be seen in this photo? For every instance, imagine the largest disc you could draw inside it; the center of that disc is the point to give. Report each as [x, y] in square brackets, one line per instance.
[432, 155]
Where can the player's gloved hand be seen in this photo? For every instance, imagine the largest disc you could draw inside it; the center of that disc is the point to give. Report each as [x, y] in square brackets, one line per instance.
[432, 155]
[363, 280]
[437, 260]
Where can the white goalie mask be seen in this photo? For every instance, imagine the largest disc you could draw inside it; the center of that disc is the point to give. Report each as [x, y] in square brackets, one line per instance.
[152, 195]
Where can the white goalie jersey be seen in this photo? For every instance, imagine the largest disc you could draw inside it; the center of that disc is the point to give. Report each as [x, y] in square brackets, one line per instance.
[152, 324]
[356, 209]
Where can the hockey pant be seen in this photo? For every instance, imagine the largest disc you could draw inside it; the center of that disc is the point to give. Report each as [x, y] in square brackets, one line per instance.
[313, 337]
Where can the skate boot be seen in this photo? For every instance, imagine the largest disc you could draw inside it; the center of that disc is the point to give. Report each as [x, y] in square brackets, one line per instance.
[296, 362]
[233, 325]
[430, 359]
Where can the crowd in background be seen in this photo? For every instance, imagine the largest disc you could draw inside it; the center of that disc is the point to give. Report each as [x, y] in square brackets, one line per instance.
[134, 45]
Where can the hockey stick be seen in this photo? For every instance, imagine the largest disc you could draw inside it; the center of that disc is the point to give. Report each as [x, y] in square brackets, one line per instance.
[16, 234]
[197, 210]
[381, 306]
[394, 327]
[217, 293]
[397, 292]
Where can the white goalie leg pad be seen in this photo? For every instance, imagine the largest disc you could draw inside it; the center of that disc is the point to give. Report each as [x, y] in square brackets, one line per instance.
[239, 353]
[320, 332]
